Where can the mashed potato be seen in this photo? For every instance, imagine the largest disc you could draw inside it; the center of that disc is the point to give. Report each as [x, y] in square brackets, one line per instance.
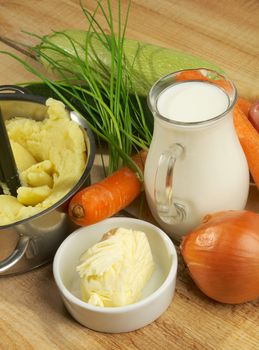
[50, 156]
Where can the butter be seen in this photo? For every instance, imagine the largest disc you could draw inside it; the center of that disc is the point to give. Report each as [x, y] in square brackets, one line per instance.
[115, 270]
[50, 157]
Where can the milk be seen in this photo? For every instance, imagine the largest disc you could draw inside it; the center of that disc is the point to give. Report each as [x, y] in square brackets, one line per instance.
[195, 164]
[192, 102]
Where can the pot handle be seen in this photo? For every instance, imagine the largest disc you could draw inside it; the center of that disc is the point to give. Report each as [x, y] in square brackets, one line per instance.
[13, 89]
[16, 255]
[169, 210]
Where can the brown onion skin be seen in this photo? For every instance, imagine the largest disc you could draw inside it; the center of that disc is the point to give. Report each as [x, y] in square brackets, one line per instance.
[222, 256]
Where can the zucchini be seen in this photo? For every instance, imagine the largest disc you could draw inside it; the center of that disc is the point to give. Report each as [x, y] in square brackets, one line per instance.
[148, 62]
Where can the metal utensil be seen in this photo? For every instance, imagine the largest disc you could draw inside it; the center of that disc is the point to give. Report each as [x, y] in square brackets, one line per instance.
[8, 169]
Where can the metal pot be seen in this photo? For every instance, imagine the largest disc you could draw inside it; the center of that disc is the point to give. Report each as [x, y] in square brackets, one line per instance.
[32, 242]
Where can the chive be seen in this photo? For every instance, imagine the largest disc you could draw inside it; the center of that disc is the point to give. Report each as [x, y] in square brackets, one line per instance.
[115, 115]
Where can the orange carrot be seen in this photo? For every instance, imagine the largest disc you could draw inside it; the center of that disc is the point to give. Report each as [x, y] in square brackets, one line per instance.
[109, 196]
[197, 75]
[248, 137]
[190, 75]
[244, 105]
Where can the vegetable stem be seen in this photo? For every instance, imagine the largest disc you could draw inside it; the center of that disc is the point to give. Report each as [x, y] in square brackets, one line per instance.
[115, 115]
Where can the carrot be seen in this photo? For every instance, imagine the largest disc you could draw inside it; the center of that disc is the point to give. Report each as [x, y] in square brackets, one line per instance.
[104, 199]
[244, 105]
[248, 137]
[197, 75]
[190, 75]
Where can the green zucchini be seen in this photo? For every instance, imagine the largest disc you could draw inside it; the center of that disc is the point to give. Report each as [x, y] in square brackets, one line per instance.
[148, 62]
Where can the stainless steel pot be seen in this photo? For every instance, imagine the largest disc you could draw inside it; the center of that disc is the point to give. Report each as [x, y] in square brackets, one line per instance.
[32, 242]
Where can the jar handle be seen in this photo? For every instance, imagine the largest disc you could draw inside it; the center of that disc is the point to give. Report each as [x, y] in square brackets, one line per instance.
[16, 255]
[169, 211]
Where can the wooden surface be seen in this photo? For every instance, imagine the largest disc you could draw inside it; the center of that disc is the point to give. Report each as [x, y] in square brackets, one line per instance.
[32, 315]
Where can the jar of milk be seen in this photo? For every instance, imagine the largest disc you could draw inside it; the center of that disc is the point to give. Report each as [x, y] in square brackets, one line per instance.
[195, 164]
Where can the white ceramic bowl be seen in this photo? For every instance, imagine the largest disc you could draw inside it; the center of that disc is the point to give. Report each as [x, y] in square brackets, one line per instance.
[156, 296]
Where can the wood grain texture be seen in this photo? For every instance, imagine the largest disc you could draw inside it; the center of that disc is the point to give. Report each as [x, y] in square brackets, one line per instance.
[224, 32]
[32, 315]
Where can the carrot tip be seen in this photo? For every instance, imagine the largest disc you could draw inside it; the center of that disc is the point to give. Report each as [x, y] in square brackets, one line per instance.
[78, 211]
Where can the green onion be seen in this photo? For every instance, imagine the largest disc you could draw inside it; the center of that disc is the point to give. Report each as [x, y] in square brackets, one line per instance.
[115, 112]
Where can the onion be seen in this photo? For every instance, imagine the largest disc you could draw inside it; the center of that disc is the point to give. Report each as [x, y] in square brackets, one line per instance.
[222, 256]
[253, 115]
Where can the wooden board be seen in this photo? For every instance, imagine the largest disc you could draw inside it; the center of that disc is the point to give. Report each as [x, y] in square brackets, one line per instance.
[32, 315]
